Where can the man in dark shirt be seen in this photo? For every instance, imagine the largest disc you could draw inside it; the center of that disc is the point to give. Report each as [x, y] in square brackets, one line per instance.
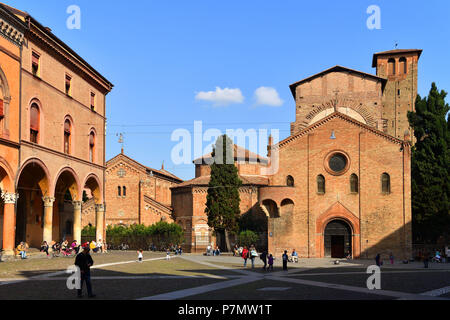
[84, 262]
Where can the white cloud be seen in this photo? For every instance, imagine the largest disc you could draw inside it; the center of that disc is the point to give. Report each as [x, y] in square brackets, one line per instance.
[268, 96]
[221, 97]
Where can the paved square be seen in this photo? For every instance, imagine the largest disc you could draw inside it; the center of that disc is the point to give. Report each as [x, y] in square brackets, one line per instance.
[118, 276]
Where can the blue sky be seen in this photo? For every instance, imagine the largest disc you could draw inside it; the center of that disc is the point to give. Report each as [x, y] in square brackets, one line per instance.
[161, 54]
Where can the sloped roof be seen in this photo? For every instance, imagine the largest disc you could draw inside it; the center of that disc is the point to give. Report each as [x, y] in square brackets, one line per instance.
[204, 181]
[162, 172]
[342, 116]
[333, 69]
[392, 52]
[237, 151]
[157, 204]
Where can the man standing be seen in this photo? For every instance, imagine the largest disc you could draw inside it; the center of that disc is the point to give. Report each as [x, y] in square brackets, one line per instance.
[263, 257]
[84, 262]
[285, 260]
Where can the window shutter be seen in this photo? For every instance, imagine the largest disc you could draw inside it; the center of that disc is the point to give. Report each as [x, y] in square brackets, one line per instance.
[92, 99]
[1, 108]
[67, 127]
[34, 118]
[91, 139]
[35, 59]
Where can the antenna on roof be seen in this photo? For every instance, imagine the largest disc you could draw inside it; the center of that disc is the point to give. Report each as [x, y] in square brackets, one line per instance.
[120, 140]
[396, 44]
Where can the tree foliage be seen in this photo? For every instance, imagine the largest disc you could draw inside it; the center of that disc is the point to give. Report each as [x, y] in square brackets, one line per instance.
[430, 167]
[222, 201]
[247, 238]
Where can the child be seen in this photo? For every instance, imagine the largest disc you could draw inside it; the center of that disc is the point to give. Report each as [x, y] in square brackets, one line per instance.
[140, 255]
[270, 263]
[168, 254]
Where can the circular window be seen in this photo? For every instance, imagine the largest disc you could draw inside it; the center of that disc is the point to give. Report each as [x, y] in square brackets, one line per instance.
[338, 162]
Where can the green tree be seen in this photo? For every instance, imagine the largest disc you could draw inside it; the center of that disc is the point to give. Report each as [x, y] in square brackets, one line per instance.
[430, 167]
[222, 201]
[247, 238]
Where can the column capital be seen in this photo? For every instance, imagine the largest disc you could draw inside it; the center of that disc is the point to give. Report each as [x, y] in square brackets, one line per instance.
[100, 207]
[77, 205]
[48, 201]
[10, 198]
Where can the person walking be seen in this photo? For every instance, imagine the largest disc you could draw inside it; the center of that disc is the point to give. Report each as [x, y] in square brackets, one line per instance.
[270, 268]
[245, 256]
[285, 260]
[263, 258]
[84, 262]
[378, 260]
[391, 258]
[253, 255]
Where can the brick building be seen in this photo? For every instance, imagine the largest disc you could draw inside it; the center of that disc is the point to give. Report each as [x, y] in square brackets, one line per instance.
[135, 194]
[54, 123]
[343, 180]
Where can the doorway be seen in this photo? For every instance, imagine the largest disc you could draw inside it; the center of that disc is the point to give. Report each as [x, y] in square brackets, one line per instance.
[337, 239]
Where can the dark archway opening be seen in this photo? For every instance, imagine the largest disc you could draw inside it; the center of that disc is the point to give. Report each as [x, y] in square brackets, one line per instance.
[338, 239]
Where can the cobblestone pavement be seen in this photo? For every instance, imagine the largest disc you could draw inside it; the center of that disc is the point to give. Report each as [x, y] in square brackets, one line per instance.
[118, 275]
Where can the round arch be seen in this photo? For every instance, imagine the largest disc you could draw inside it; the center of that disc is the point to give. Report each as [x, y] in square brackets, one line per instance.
[338, 234]
[92, 182]
[6, 182]
[6, 97]
[45, 184]
[37, 101]
[75, 185]
[72, 144]
[270, 208]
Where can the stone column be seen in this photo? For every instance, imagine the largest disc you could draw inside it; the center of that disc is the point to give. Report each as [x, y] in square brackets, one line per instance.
[77, 221]
[9, 222]
[48, 219]
[99, 214]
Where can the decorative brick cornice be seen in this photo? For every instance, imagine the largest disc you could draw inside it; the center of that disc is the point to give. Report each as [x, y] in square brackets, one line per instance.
[10, 32]
[332, 116]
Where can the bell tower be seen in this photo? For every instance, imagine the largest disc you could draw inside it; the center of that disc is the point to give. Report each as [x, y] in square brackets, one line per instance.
[400, 68]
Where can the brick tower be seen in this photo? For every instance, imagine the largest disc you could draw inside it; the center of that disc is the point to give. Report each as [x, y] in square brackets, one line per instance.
[399, 67]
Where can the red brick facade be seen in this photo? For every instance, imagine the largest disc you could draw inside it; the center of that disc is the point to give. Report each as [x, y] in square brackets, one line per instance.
[136, 194]
[344, 182]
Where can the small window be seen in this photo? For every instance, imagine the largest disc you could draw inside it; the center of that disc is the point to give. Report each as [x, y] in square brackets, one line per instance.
[354, 185]
[385, 183]
[91, 146]
[67, 134]
[290, 181]
[35, 64]
[320, 184]
[34, 123]
[68, 85]
[124, 191]
[92, 101]
[119, 191]
[391, 67]
[402, 65]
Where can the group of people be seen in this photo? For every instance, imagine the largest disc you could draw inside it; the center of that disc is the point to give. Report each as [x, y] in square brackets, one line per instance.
[67, 249]
[212, 252]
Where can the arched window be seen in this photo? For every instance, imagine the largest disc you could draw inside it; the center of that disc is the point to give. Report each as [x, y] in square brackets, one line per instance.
[391, 67]
[124, 191]
[119, 191]
[290, 181]
[385, 183]
[402, 65]
[34, 123]
[67, 133]
[354, 185]
[91, 146]
[320, 184]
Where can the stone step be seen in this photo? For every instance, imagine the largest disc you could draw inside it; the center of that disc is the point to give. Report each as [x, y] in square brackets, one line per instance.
[32, 253]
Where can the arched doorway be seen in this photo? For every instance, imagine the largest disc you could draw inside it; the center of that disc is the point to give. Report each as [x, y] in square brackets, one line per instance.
[33, 189]
[337, 239]
[92, 183]
[67, 194]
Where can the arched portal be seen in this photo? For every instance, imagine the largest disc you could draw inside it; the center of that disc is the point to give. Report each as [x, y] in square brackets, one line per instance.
[67, 194]
[92, 183]
[338, 239]
[33, 187]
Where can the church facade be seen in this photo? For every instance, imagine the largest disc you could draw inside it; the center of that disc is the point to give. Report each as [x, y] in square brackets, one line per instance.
[343, 184]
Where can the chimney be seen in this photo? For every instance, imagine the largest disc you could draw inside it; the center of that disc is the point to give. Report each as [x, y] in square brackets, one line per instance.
[269, 147]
